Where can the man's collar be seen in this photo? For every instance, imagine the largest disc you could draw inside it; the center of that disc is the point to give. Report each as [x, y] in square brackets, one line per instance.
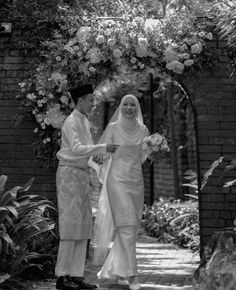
[79, 114]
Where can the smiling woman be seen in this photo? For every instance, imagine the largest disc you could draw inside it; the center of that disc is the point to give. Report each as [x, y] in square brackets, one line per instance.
[129, 109]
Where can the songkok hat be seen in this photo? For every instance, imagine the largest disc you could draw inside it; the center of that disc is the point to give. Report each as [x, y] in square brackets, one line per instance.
[80, 91]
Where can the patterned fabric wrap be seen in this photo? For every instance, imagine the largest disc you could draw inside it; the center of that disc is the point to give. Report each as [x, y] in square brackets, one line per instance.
[74, 203]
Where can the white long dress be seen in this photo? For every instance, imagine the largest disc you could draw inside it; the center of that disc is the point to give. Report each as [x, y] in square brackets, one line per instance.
[125, 192]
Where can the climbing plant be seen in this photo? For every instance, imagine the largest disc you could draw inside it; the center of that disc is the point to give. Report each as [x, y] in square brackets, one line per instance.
[88, 47]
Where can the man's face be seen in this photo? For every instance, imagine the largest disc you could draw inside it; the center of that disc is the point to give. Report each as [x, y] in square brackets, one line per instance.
[88, 103]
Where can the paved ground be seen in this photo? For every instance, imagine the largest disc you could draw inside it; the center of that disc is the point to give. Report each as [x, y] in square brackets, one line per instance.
[161, 267]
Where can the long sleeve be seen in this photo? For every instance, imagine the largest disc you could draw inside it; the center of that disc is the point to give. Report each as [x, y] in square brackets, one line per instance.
[76, 142]
[144, 156]
[74, 133]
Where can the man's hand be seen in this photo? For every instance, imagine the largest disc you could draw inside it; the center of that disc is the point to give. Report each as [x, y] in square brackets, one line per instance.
[111, 148]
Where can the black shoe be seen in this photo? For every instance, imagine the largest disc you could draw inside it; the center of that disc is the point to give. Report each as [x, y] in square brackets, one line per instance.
[65, 283]
[80, 281]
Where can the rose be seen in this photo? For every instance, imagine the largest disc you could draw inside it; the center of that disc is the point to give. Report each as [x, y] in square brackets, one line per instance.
[170, 55]
[117, 53]
[175, 66]
[185, 55]
[196, 48]
[189, 62]
[201, 34]
[142, 41]
[111, 41]
[100, 39]
[94, 55]
[64, 99]
[209, 36]
[141, 51]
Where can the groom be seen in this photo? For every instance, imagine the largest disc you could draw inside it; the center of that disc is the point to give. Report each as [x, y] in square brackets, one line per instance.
[74, 205]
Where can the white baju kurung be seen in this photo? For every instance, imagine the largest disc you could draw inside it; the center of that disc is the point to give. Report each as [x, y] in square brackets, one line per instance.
[121, 201]
[74, 204]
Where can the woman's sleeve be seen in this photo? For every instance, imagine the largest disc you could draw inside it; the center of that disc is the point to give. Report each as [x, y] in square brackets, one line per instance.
[144, 155]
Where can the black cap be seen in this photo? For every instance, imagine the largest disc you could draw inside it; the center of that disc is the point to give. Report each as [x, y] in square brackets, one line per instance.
[81, 91]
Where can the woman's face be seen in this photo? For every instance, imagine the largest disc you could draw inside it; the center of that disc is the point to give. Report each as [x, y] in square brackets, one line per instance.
[129, 108]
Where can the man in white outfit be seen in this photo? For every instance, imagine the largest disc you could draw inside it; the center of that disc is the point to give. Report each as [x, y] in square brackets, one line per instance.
[74, 204]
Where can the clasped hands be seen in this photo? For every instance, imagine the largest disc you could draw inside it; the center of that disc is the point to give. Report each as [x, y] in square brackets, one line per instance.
[111, 148]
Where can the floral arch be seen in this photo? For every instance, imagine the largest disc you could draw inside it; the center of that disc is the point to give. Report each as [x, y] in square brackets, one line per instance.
[94, 50]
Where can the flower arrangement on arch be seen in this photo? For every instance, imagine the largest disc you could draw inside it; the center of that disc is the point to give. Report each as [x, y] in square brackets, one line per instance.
[93, 50]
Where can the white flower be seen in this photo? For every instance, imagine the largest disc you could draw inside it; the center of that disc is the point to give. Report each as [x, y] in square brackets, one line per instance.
[50, 96]
[209, 36]
[44, 141]
[39, 118]
[141, 65]
[48, 139]
[189, 62]
[76, 48]
[64, 99]
[150, 24]
[196, 48]
[185, 55]
[175, 66]
[39, 103]
[54, 116]
[92, 69]
[141, 51]
[36, 130]
[142, 41]
[111, 41]
[133, 60]
[117, 53]
[123, 40]
[58, 58]
[47, 121]
[31, 96]
[170, 55]
[100, 39]
[68, 48]
[189, 41]
[22, 84]
[201, 34]
[83, 34]
[183, 47]
[94, 55]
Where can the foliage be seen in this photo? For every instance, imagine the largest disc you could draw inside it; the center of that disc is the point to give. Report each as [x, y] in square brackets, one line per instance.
[23, 219]
[218, 271]
[173, 221]
[91, 48]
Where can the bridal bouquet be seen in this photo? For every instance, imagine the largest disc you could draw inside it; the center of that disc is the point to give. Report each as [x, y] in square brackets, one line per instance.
[155, 146]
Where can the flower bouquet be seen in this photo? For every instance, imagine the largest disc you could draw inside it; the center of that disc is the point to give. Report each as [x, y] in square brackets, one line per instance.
[155, 146]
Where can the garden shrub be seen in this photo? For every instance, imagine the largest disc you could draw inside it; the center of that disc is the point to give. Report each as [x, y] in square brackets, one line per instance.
[173, 221]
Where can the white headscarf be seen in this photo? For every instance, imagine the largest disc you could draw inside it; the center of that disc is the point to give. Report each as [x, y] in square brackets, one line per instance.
[129, 127]
[104, 228]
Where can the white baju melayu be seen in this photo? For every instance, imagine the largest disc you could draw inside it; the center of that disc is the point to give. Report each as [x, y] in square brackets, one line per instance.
[121, 200]
[74, 204]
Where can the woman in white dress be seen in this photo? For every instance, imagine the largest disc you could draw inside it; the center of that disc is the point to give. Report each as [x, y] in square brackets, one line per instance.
[121, 200]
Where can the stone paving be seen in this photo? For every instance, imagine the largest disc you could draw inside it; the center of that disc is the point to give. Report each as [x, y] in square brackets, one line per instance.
[161, 267]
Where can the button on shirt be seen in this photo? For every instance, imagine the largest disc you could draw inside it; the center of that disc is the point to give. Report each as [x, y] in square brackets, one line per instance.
[76, 142]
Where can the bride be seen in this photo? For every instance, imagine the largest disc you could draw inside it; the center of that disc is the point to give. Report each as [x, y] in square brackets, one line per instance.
[122, 195]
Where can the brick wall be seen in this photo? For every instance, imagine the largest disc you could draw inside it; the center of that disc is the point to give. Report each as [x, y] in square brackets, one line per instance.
[214, 95]
[17, 159]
